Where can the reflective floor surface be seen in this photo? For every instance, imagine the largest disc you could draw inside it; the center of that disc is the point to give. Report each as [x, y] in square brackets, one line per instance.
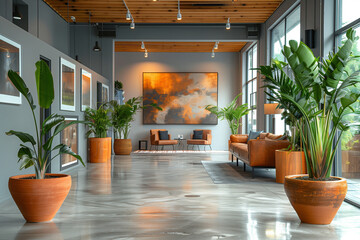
[163, 197]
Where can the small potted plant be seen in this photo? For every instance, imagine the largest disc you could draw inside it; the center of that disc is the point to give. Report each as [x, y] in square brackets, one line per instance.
[39, 196]
[121, 118]
[276, 82]
[325, 96]
[98, 122]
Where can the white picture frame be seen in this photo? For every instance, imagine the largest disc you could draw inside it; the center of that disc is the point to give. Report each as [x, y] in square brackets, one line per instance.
[86, 98]
[67, 85]
[6, 48]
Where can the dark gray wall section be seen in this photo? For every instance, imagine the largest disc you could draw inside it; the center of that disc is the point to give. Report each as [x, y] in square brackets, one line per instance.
[129, 68]
[44, 23]
[18, 117]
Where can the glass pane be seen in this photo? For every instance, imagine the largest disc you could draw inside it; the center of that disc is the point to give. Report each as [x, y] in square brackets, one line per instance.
[350, 140]
[348, 12]
[293, 26]
[253, 122]
[279, 124]
[254, 65]
[250, 63]
[278, 41]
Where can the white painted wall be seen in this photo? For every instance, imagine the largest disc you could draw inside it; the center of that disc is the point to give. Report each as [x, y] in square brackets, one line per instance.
[129, 68]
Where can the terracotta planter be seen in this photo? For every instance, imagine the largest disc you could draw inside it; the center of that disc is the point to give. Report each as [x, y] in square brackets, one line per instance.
[100, 150]
[315, 202]
[39, 199]
[122, 146]
[289, 163]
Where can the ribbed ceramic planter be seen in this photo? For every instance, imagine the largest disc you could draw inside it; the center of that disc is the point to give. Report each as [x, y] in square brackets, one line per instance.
[39, 199]
[315, 202]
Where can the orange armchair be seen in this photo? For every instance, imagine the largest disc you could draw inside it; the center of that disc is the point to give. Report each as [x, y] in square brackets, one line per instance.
[205, 141]
[155, 139]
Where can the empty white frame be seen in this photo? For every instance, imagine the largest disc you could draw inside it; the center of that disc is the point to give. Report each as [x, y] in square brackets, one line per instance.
[10, 59]
[86, 90]
[67, 85]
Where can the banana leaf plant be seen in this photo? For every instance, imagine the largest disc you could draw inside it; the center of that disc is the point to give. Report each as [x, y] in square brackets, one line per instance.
[324, 94]
[277, 82]
[232, 113]
[123, 115]
[38, 153]
[98, 121]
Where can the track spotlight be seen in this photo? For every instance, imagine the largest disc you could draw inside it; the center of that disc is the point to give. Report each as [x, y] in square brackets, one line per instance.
[213, 53]
[146, 53]
[96, 47]
[132, 24]
[179, 17]
[216, 45]
[142, 45]
[128, 15]
[228, 24]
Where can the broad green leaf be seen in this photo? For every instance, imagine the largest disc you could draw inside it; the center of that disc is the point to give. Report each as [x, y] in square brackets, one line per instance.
[21, 87]
[44, 84]
[64, 149]
[24, 137]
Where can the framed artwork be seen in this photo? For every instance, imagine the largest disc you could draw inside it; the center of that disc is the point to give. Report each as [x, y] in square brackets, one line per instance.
[105, 93]
[86, 90]
[68, 85]
[69, 136]
[10, 59]
[182, 96]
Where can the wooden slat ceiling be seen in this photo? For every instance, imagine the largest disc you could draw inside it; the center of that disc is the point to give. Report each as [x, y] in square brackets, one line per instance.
[178, 46]
[162, 11]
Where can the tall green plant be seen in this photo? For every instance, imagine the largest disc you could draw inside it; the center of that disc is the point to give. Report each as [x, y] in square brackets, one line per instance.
[232, 113]
[123, 115]
[277, 82]
[325, 96]
[98, 121]
[38, 154]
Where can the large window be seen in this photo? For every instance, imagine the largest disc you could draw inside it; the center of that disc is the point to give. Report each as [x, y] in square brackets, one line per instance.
[348, 161]
[249, 88]
[286, 30]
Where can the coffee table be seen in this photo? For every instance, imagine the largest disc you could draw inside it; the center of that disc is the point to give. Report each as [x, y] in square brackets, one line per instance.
[181, 143]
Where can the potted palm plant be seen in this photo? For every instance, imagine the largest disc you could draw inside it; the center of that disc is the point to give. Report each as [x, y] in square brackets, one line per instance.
[98, 122]
[292, 160]
[231, 113]
[121, 118]
[39, 196]
[325, 97]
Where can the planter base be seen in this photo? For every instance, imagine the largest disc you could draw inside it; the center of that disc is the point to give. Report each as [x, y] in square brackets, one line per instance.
[315, 202]
[100, 150]
[39, 199]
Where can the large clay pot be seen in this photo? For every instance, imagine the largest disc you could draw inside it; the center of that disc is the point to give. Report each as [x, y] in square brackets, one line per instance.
[315, 202]
[289, 163]
[39, 199]
[100, 150]
[122, 146]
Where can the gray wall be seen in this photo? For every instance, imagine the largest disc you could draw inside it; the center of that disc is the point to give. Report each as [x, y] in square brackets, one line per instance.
[18, 117]
[130, 66]
[44, 23]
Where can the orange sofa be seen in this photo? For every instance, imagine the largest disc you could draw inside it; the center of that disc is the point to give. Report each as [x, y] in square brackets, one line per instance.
[257, 153]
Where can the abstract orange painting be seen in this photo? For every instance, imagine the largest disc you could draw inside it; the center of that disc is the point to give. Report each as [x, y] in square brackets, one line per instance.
[182, 96]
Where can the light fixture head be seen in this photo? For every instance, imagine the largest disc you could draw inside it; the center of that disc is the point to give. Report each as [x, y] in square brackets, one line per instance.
[132, 24]
[142, 45]
[179, 17]
[96, 47]
[213, 53]
[128, 15]
[73, 18]
[216, 45]
[146, 53]
[228, 24]
[7, 54]
[17, 14]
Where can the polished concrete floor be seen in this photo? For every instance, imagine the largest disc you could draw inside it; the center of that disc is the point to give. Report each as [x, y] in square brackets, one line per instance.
[163, 197]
